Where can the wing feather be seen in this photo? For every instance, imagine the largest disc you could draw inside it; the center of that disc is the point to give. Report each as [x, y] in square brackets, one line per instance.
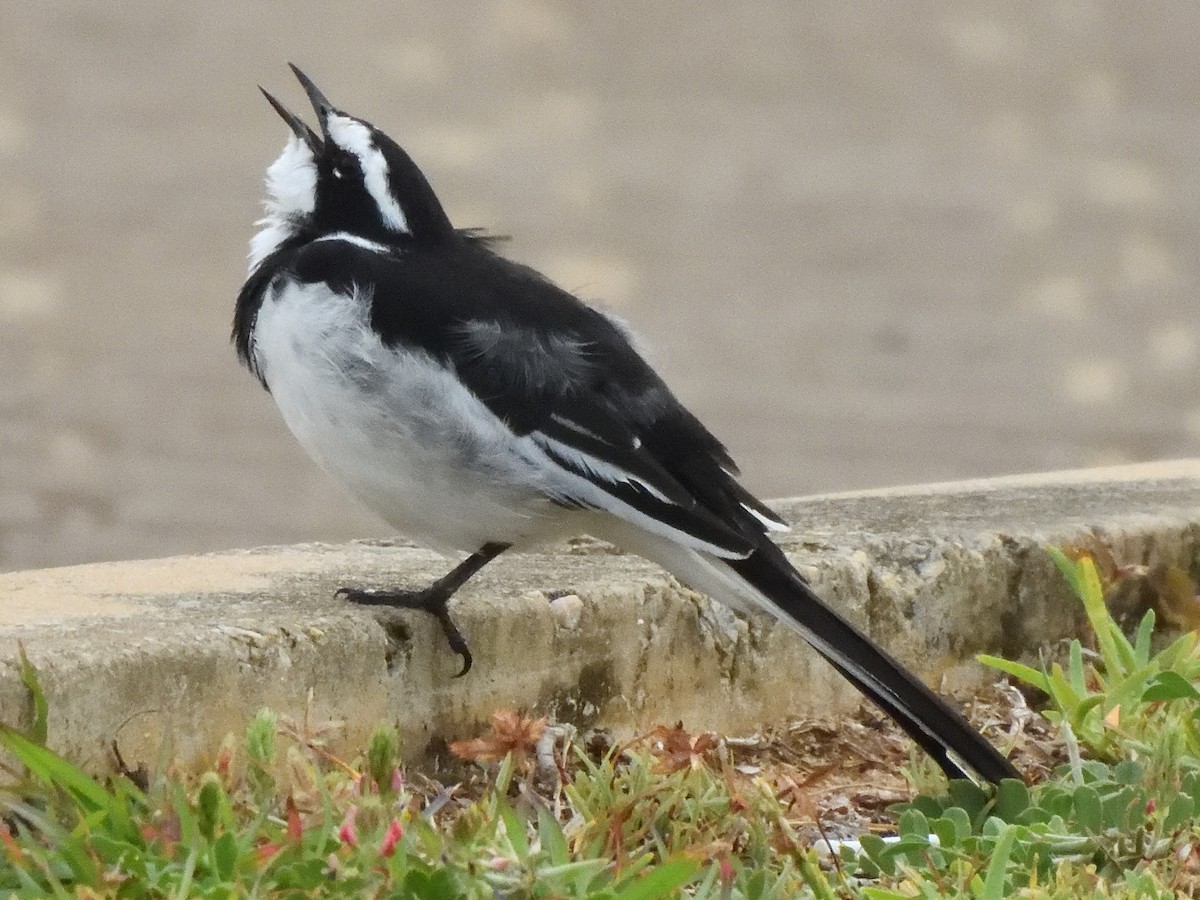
[556, 370]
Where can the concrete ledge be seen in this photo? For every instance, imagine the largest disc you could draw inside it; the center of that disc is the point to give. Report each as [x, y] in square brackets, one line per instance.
[186, 649]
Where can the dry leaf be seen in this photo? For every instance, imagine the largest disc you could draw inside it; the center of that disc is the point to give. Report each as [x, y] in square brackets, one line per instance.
[295, 830]
[511, 733]
[681, 750]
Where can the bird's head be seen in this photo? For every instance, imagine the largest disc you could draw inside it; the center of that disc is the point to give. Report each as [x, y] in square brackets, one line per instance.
[350, 178]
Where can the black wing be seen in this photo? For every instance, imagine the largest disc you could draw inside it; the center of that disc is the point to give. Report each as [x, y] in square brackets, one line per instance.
[554, 368]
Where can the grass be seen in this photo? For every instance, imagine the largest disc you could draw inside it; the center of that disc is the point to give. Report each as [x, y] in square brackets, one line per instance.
[542, 813]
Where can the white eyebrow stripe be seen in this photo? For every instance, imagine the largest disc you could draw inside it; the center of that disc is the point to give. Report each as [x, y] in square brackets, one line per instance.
[354, 136]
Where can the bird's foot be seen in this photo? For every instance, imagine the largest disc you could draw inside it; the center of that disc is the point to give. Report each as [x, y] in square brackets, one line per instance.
[431, 600]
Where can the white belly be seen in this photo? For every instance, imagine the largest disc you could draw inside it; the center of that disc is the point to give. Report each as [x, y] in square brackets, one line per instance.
[403, 433]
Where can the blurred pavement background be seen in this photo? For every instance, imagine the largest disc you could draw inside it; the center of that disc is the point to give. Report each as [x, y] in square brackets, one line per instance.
[869, 243]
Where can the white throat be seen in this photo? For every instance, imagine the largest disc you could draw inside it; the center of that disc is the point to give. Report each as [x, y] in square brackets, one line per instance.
[291, 195]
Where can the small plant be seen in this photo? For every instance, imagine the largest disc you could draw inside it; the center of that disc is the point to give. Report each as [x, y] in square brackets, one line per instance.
[1136, 712]
[1122, 699]
[383, 758]
[641, 821]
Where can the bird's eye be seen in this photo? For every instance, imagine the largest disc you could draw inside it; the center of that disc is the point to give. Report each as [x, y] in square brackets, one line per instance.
[337, 173]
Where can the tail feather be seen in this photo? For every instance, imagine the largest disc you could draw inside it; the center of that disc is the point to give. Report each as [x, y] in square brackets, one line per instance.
[765, 581]
[937, 728]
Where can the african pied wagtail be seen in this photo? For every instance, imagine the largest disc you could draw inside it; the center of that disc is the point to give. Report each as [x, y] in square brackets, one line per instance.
[476, 407]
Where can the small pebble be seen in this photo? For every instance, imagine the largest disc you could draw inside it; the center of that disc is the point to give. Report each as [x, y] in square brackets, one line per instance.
[567, 610]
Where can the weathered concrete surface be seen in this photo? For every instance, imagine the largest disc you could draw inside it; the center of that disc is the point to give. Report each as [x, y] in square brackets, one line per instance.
[187, 648]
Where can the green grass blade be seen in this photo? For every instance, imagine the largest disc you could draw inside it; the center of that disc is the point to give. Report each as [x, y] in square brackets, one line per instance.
[37, 698]
[1115, 649]
[658, 882]
[185, 883]
[554, 844]
[225, 852]
[1067, 567]
[993, 881]
[1169, 686]
[1181, 656]
[515, 829]
[1063, 691]
[815, 878]
[1141, 643]
[50, 768]
[1017, 670]
[584, 869]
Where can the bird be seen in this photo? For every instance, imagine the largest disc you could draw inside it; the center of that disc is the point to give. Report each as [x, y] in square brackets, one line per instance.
[477, 407]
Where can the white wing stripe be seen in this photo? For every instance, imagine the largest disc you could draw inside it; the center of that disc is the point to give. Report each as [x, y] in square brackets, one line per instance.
[596, 468]
[769, 524]
[575, 426]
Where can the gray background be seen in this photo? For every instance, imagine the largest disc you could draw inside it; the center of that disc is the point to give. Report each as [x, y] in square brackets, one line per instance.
[869, 243]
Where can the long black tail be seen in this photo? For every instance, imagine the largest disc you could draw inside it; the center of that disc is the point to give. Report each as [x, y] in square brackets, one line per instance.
[941, 731]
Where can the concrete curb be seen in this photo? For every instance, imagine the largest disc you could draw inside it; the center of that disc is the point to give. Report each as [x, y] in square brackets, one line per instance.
[186, 649]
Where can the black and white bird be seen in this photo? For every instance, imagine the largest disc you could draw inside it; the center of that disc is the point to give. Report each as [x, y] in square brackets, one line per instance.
[477, 407]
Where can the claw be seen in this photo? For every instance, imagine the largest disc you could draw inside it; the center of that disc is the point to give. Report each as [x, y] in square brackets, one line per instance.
[466, 658]
[454, 637]
[422, 601]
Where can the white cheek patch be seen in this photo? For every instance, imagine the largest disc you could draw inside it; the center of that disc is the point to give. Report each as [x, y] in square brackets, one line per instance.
[352, 135]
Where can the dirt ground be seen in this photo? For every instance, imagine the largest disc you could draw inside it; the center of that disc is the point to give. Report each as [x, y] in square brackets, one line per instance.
[869, 243]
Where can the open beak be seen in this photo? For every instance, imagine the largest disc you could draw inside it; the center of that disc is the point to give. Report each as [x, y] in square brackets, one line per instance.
[320, 104]
[299, 128]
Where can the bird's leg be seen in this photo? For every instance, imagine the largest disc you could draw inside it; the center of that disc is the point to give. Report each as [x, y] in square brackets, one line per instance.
[434, 599]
